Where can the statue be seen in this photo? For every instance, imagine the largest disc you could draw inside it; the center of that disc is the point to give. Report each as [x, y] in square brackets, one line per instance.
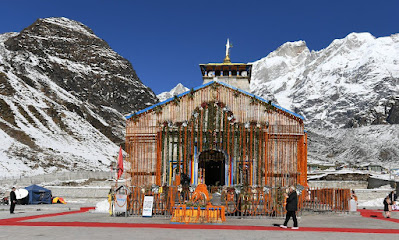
[228, 46]
[201, 194]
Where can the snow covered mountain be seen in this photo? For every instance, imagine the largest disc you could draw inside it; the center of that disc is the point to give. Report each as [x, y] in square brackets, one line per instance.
[341, 91]
[63, 93]
[175, 91]
[353, 82]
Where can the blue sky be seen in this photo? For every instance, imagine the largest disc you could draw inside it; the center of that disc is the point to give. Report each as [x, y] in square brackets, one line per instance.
[166, 40]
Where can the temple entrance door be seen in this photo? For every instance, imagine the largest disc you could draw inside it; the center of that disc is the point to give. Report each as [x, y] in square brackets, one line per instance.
[211, 165]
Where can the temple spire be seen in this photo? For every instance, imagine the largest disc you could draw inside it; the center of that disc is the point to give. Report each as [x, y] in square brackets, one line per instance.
[234, 74]
[228, 46]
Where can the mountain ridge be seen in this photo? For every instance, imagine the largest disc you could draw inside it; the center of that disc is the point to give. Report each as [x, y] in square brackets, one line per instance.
[347, 70]
[63, 92]
[348, 93]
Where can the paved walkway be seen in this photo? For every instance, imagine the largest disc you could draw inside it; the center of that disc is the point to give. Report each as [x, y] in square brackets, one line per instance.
[85, 224]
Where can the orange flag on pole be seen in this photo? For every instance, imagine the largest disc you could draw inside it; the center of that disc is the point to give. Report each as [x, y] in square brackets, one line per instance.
[120, 163]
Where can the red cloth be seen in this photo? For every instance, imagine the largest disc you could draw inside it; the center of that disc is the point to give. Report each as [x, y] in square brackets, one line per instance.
[120, 163]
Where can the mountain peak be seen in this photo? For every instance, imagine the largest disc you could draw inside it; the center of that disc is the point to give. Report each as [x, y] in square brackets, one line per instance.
[64, 95]
[178, 89]
[299, 43]
[290, 49]
[353, 40]
[360, 36]
[175, 91]
[68, 24]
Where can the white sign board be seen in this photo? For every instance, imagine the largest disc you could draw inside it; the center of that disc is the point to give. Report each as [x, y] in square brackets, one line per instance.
[120, 202]
[147, 206]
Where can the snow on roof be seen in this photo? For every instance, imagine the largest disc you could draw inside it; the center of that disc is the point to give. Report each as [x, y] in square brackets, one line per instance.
[387, 177]
[208, 84]
[311, 177]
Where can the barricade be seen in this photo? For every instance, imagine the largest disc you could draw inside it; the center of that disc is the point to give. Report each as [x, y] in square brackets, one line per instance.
[208, 214]
[246, 202]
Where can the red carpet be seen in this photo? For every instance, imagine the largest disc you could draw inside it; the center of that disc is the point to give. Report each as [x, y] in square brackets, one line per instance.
[376, 214]
[19, 222]
[44, 215]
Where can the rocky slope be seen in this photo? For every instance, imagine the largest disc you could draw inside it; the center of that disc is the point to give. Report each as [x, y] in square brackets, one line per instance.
[376, 144]
[63, 92]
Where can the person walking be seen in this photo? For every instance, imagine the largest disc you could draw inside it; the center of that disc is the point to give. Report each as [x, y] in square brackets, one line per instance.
[387, 206]
[13, 200]
[291, 207]
[392, 195]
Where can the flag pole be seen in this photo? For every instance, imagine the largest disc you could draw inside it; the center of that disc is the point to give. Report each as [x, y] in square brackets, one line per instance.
[117, 171]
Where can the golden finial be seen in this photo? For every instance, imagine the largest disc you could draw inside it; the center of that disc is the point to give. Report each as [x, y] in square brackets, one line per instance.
[228, 46]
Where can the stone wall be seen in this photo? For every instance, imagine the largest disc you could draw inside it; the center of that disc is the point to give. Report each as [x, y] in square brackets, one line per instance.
[338, 184]
[376, 183]
[61, 176]
[79, 192]
[370, 194]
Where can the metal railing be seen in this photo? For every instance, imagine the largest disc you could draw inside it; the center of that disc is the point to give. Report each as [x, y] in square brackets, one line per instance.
[239, 202]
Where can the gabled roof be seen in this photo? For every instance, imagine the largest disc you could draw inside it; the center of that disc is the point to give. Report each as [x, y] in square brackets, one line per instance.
[206, 85]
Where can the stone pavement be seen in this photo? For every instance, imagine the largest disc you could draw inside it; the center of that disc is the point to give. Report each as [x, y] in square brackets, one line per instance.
[70, 222]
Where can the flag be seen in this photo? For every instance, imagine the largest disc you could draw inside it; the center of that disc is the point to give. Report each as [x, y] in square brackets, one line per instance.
[120, 163]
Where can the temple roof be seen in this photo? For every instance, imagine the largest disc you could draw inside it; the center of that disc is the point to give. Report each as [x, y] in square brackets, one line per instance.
[218, 64]
[209, 84]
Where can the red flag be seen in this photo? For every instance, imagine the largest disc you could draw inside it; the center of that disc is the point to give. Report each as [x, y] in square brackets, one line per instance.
[120, 163]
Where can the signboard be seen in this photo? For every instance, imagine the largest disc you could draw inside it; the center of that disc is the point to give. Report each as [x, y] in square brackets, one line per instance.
[120, 203]
[147, 206]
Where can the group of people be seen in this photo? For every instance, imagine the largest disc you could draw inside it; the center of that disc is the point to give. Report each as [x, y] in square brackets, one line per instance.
[291, 204]
[389, 203]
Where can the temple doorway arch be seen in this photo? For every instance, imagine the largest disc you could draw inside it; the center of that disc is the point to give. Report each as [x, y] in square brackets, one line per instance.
[211, 167]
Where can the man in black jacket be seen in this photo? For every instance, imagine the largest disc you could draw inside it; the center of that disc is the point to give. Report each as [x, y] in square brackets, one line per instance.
[13, 200]
[291, 207]
[392, 195]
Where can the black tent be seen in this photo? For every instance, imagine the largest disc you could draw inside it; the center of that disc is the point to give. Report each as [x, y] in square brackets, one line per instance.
[38, 194]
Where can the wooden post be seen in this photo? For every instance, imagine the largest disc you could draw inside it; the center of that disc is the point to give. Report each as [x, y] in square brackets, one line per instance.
[159, 158]
[300, 159]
